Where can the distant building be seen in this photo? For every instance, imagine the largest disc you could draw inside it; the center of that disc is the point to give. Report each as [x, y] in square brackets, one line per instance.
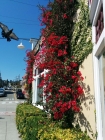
[1, 81]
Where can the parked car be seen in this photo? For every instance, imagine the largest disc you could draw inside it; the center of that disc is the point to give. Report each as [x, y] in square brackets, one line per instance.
[8, 88]
[2, 92]
[19, 94]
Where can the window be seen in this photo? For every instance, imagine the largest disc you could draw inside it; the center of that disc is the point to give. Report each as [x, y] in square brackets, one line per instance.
[39, 90]
[90, 1]
[99, 25]
[40, 71]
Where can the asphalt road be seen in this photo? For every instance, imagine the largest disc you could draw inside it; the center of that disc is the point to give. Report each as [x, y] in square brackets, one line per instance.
[11, 96]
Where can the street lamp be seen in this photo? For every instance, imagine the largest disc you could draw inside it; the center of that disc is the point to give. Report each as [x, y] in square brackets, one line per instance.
[32, 40]
[21, 46]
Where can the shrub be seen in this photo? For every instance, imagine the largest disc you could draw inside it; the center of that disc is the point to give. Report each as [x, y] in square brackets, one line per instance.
[33, 124]
[27, 117]
[54, 132]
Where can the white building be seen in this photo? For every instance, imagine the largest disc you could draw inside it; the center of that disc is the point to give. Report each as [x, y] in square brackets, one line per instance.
[37, 79]
[97, 18]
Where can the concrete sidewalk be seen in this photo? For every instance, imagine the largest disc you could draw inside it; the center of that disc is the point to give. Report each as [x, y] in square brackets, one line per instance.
[8, 130]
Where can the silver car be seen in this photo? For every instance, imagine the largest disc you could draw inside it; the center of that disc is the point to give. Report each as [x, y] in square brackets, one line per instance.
[2, 92]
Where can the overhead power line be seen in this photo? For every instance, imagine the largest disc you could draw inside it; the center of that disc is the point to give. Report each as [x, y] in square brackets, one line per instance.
[18, 18]
[22, 2]
[26, 3]
[20, 23]
[27, 39]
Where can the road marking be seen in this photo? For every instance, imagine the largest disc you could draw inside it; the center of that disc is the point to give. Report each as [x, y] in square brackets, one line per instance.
[3, 102]
[7, 99]
[7, 113]
[15, 96]
[16, 102]
[11, 102]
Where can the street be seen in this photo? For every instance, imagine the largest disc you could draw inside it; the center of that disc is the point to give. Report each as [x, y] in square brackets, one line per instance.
[11, 96]
[8, 104]
[10, 101]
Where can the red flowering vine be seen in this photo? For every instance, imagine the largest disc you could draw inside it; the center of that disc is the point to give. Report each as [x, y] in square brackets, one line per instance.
[29, 69]
[61, 83]
[29, 74]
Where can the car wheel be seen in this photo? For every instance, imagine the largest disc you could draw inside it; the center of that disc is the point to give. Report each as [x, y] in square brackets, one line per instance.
[5, 94]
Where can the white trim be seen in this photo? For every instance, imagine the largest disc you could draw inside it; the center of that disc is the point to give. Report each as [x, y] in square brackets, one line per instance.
[33, 90]
[97, 98]
[104, 11]
[34, 87]
[97, 50]
[92, 9]
[102, 93]
[100, 44]
[93, 35]
[38, 106]
[97, 12]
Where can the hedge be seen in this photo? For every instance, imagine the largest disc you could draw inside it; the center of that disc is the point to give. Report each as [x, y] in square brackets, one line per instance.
[33, 124]
[27, 118]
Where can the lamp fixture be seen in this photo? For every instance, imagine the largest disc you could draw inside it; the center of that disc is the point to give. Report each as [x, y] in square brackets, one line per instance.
[21, 46]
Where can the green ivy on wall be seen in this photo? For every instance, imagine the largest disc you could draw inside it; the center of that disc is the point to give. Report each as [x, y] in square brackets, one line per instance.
[81, 42]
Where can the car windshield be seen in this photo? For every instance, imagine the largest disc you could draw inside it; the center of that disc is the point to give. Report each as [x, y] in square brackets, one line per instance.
[19, 90]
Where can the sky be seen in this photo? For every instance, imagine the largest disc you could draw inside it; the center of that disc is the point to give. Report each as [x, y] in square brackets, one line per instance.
[23, 17]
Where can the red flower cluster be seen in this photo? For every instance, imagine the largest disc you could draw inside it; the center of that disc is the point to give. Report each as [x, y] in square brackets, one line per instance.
[65, 16]
[63, 107]
[65, 90]
[62, 82]
[56, 41]
[29, 69]
[46, 17]
[61, 53]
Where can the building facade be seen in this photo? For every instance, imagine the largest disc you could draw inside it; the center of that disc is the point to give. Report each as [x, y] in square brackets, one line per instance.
[92, 117]
[1, 81]
[86, 118]
[97, 18]
[36, 97]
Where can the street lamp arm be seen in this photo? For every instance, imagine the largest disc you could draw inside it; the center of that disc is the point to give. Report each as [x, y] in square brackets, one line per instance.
[35, 39]
[31, 40]
[28, 39]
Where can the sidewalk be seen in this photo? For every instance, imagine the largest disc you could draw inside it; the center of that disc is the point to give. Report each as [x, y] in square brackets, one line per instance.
[8, 130]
